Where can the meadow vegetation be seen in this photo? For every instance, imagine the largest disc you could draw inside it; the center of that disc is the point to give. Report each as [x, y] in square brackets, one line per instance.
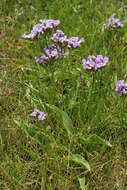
[82, 141]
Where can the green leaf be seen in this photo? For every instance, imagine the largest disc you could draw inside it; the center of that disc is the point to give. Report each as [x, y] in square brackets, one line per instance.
[17, 123]
[67, 122]
[80, 160]
[33, 134]
[81, 179]
[95, 139]
[54, 108]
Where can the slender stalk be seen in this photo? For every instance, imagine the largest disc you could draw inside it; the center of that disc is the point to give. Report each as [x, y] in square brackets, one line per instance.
[122, 111]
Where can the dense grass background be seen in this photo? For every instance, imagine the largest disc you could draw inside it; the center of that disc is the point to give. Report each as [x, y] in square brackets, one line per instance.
[36, 154]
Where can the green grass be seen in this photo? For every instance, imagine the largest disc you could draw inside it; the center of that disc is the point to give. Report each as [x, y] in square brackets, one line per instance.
[84, 118]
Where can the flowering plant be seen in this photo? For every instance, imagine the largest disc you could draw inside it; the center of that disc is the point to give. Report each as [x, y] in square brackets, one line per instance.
[39, 29]
[95, 63]
[113, 23]
[121, 88]
[39, 114]
[54, 51]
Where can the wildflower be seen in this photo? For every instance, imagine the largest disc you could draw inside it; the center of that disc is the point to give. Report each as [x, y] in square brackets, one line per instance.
[40, 115]
[51, 54]
[49, 24]
[39, 29]
[60, 38]
[42, 60]
[74, 42]
[113, 23]
[121, 88]
[95, 63]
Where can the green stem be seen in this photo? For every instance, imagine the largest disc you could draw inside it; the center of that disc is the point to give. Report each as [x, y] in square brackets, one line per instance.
[122, 111]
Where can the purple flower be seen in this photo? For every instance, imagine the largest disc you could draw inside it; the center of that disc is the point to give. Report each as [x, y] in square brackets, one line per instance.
[39, 29]
[113, 24]
[60, 38]
[51, 54]
[94, 63]
[49, 24]
[121, 88]
[74, 42]
[42, 60]
[40, 115]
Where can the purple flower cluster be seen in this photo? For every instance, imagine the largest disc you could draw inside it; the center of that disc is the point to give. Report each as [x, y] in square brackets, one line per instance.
[71, 43]
[39, 114]
[95, 63]
[51, 54]
[74, 42]
[60, 38]
[39, 29]
[49, 24]
[113, 23]
[54, 51]
[121, 88]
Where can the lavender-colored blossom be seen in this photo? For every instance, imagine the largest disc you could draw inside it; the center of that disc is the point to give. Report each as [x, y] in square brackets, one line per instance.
[49, 24]
[43, 60]
[74, 42]
[39, 114]
[113, 23]
[95, 63]
[121, 88]
[60, 38]
[51, 54]
[39, 29]
[36, 32]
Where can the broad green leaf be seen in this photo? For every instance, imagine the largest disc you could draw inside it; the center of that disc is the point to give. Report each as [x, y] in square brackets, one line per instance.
[33, 134]
[67, 122]
[80, 160]
[95, 139]
[81, 179]
[54, 108]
